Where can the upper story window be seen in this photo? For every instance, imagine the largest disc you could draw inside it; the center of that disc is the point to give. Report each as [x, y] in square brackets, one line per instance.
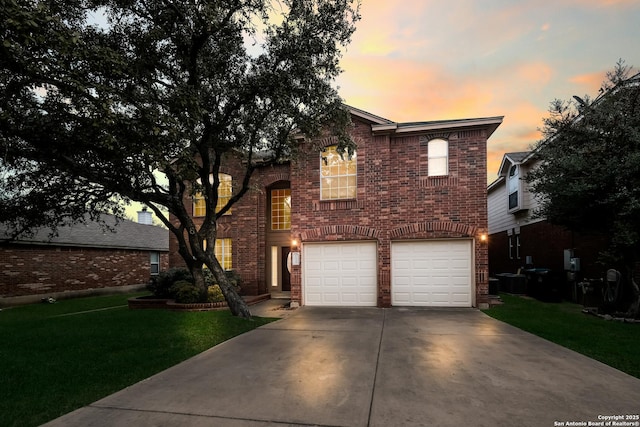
[225, 190]
[337, 175]
[513, 187]
[281, 209]
[438, 157]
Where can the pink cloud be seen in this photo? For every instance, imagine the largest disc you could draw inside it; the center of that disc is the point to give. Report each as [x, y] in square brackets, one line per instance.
[537, 73]
[591, 82]
[605, 3]
[410, 90]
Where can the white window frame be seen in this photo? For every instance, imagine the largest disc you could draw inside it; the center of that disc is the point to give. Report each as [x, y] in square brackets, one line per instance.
[514, 186]
[435, 157]
[323, 160]
[155, 263]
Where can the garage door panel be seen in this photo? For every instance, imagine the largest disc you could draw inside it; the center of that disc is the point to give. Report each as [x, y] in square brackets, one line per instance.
[340, 274]
[431, 273]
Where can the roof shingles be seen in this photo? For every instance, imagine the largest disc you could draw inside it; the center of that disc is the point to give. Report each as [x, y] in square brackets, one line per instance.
[125, 235]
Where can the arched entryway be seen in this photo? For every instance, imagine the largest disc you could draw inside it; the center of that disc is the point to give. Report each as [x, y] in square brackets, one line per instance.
[278, 237]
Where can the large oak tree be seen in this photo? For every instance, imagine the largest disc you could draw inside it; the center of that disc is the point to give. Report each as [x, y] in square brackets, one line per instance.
[148, 104]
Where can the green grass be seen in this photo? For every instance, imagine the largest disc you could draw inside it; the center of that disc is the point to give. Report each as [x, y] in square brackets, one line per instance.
[614, 343]
[55, 358]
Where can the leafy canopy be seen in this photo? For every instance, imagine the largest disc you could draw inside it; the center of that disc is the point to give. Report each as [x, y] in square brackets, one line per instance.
[92, 114]
[589, 175]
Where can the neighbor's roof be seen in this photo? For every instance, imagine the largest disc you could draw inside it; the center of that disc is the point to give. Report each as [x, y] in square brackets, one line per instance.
[515, 158]
[90, 234]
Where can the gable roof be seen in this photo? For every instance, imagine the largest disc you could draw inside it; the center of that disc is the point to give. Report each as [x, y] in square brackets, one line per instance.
[515, 158]
[509, 159]
[367, 116]
[90, 234]
[382, 125]
[460, 124]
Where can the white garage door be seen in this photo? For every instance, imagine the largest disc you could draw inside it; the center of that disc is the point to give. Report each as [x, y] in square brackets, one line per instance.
[431, 273]
[340, 274]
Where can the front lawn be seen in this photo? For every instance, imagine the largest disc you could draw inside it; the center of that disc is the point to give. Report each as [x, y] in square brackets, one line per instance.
[59, 357]
[614, 343]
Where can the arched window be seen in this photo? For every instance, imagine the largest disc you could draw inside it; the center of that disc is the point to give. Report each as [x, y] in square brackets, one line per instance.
[281, 209]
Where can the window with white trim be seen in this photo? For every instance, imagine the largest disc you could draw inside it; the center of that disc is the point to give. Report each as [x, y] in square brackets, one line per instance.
[154, 262]
[512, 183]
[438, 157]
[338, 175]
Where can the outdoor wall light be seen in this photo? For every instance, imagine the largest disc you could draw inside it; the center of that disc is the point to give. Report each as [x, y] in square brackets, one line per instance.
[294, 244]
[483, 238]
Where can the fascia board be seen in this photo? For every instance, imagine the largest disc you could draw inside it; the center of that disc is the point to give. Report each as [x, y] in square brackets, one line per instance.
[367, 116]
[491, 122]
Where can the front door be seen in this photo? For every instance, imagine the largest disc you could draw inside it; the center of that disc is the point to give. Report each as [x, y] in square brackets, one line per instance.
[284, 270]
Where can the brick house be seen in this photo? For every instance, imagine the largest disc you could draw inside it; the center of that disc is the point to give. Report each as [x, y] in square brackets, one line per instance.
[81, 259]
[403, 222]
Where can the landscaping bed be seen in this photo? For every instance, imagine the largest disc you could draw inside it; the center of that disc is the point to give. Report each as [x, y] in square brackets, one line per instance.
[151, 302]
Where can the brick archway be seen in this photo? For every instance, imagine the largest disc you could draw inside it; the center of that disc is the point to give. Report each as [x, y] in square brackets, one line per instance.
[339, 232]
[433, 226]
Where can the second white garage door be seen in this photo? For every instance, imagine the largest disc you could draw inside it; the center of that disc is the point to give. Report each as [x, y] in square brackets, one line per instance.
[431, 273]
[340, 274]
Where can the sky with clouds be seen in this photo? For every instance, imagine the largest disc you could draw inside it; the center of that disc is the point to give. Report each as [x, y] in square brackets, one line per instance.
[421, 60]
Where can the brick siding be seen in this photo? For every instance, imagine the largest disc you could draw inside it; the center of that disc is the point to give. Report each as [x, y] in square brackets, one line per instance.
[395, 201]
[34, 270]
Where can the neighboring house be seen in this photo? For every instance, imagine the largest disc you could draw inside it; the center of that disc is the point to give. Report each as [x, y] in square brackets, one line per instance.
[82, 257]
[403, 222]
[518, 238]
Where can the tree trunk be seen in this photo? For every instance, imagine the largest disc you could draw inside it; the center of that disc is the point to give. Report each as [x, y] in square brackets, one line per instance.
[237, 305]
[634, 309]
[198, 281]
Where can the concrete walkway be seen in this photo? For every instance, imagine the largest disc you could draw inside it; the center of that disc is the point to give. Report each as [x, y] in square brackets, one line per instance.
[373, 367]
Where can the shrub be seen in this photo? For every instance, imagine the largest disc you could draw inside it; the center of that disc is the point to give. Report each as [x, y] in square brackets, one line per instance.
[164, 284]
[185, 292]
[214, 294]
[209, 280]
[161, 285]
[234, 278]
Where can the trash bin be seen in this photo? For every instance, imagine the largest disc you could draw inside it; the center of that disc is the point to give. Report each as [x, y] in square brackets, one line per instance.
[512, 283]
[592, 293]
[543, 284]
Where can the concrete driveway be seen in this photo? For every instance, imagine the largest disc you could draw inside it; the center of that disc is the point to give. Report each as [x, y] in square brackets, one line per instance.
[375, 367]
